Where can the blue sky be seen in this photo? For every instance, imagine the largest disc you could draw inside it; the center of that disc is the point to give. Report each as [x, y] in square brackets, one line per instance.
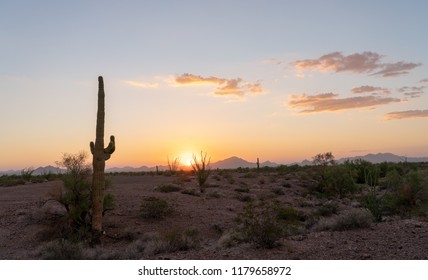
[268, 79]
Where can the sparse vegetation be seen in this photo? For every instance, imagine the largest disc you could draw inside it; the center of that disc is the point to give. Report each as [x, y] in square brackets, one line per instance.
[351, 219]
[155, 208]
[292, 207]
[202, 170]
[173, 165]
[75, 196]
[263, 224]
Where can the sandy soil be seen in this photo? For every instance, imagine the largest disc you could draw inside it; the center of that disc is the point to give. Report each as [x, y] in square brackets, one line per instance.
[24, 220]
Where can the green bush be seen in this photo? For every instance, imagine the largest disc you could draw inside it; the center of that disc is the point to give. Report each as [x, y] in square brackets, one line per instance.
[374, 205]
[155, 208]
[260, 224]
[76, 196]
[338, 180]
[409, 196]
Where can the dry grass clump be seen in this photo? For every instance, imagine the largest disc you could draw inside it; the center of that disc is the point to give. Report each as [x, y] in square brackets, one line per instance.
[60, 250]
[348, 220]
[153, 244]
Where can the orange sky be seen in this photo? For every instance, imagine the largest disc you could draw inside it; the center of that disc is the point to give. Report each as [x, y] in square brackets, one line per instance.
[250, 80]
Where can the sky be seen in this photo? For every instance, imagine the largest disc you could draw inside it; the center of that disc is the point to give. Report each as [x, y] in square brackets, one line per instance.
[275, 80]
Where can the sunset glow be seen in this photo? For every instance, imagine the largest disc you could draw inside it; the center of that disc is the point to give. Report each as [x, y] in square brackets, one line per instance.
[253, 79]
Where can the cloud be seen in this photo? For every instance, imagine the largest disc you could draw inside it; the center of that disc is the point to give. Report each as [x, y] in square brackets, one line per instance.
[396, 69]
[329, 102]
[187, 79]
[424, 81]
[411, 114]
[412, 92]
[142, 84]
[370, 89]
[365, 62]
[225, 87]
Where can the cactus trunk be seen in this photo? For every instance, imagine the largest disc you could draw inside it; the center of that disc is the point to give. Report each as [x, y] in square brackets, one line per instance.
[100, 155]
[98, 162]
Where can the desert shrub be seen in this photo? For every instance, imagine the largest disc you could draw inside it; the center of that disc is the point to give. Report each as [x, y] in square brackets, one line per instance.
[173, 241]
[202, 169]
[166, 188]
[173, 165]
[60, 250]
[409, 197]
[27, 174]
[351, 219]
[374, 204]
[75, 196]
[338, 180]
[11, 180]
[155, 208]
[134, 250]
[260, 224]
[328, 209]
[393, 180]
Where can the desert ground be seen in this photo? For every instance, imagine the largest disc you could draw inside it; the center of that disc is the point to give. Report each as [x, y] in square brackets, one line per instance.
[207, 221]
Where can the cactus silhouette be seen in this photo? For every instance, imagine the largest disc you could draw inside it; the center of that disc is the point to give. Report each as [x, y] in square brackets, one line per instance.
[100, 155]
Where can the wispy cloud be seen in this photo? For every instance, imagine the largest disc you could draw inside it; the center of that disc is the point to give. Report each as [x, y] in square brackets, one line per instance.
[142, 84]
[224, 87]
[407, 114]
[396, 69]
[365, 62]
[424, 81]
[370, 90]
[412, 92]
[329, 102]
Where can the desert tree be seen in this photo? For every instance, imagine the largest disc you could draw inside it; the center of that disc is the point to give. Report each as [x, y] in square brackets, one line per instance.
[202, 170]
[324, 159]
[173, 164]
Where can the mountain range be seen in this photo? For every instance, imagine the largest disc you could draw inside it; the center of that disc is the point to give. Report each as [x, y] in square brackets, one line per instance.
[232, 163]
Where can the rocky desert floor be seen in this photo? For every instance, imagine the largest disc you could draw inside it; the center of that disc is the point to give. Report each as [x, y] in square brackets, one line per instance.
[27, 220]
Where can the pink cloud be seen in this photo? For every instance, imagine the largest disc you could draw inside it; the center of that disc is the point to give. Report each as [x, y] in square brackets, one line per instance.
[365, 62]
[411, 114]
[370, 89]
[412, 92]
[329, 102]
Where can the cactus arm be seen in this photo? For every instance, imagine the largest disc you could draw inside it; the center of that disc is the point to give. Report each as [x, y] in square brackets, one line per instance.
[110, 148]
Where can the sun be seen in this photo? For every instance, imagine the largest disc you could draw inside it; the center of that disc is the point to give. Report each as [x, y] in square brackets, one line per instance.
[188, 162]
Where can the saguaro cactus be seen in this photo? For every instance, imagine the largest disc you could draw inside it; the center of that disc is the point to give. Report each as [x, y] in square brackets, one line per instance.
[100, 155]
